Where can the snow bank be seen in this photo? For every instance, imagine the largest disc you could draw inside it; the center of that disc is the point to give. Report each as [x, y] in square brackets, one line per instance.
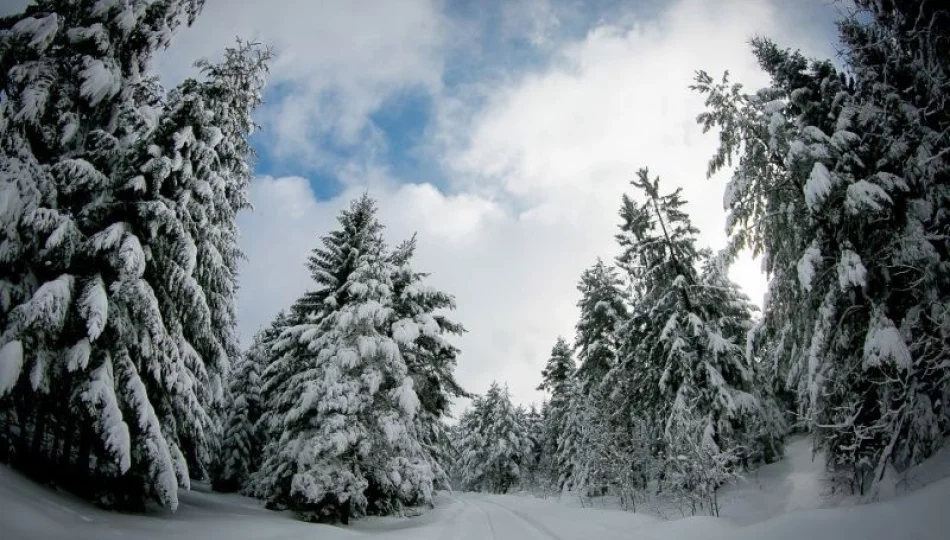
[781, 502]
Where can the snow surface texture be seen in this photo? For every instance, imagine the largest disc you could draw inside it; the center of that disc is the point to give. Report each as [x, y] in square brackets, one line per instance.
[781, 502]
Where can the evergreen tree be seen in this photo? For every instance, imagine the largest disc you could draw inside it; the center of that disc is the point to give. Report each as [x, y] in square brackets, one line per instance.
[557, 373]
[596, 429]
[683, 365]
[536, 474]
[862, 291]
[275, 370]
[430, 357]
[196, 177]
[557, 378]
[241, 442]
[346, 409]
[494, 444]
[85, 255]
[603, 312]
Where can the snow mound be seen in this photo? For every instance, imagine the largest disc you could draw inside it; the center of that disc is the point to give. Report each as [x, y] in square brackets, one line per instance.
[784, 500]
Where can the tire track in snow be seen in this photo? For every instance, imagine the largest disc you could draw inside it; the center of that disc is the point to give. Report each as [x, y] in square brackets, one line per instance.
[491, 524]
[449, 528]
[530, 522]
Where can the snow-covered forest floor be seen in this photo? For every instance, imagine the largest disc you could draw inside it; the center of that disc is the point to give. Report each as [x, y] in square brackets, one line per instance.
[794, 483]
[783, 500]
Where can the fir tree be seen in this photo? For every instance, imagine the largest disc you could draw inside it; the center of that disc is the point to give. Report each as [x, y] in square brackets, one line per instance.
[860, 276]
[536, 474]
[603, 311]
[241, 443]
[195, 181]
[557, 378]
[348, 442]
[430, 357]
[683, 365]
[494, 444]
[85, 255]
[596, 430]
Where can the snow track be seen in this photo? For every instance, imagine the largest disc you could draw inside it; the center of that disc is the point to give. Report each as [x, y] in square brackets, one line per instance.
[512, 525]
[526, 520]
[31, 511]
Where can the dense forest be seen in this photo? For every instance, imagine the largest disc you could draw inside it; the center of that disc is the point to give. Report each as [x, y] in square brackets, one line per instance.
[122, 376]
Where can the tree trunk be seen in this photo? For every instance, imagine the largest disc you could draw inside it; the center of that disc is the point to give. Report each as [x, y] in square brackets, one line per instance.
[37, 458]
[345, 513]
[65, 453]
[85, 448]
[22, 450]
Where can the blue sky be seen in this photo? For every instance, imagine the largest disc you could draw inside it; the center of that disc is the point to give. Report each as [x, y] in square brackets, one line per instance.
[494, 48]
[502, 132]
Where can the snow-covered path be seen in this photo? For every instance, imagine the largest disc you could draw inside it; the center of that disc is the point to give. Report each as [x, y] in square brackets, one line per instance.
[31, 511]
[470, 516]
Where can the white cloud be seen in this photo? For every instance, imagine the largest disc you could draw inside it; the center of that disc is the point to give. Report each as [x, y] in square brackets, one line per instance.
[335, 64]
[537, 163]
[512, 275]
[536, 160]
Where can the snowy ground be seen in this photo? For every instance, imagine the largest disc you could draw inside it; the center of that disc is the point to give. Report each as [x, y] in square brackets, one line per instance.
[783, 501]
[794, 483]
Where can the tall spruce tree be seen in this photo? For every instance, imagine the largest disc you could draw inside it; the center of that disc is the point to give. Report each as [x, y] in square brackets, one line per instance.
[85, 256]
[603, 311]
[683, 364]
[597, 431]
[557, 379]
[242, 440]
[430, 357]
[348, 442]
[494, 443]
[859, 290]
[195, 178]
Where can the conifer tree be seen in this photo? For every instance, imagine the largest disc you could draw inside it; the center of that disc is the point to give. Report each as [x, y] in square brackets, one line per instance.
[859, 288]
[557, 378]
[348, 442]
[275, 370]
[683, 364]
[86, 254]
[597, 431]
[430, 357]
[242, 441]
[195, 181]
[494, 444]
[603, 312]
[536, 474]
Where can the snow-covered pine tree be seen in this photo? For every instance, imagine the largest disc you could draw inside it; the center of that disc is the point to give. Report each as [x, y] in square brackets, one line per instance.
[348, 443]
[275, 371]
[683, 364]
[84, 281]
[471, 446]
[765, 199]
[603, 312]
[194, 181]
[241, 442]
[239, 445]
[557, 379]
[599, 430]
[862, 303]
[422, 336]
[536, 471]
[494, 443]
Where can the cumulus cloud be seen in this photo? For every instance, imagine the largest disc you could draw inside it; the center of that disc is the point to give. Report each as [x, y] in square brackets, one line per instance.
[335, 62]
[512, 275]
[536, 163]
[535, 158]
